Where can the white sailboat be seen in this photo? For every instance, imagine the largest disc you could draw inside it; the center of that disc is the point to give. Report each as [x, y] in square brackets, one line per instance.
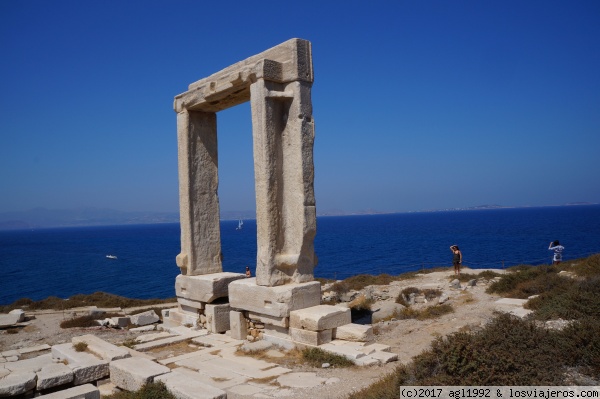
[111, 256]
[240, 224]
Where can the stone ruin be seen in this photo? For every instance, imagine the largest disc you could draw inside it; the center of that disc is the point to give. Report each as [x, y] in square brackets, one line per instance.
[277, 83]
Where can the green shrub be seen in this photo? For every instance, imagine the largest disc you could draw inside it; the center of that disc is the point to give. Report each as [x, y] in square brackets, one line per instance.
[152, 390]
[386, 388]
[80, 346]
[508, 351]
[316, 357]
[100, 299]
[81, 321]
[430, 312]
[569, 300]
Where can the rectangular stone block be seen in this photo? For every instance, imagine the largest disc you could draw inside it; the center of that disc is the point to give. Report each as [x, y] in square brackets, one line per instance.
[343, 350]
[87, 391]
[184, 387]
[33, 365]
[101, 348]
[276, 301]
[266, 319]
[384, 357]
[205, 288]
[277, 331]
[354, 332]
[54, 375]
[121, 321]
[238, 325]
[86, 367]
[217, 317]
[321, 317]
[310, 337]
[183, 318]
[132, 373]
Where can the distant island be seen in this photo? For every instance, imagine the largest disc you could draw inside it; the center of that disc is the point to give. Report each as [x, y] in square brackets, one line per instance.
[49, 218]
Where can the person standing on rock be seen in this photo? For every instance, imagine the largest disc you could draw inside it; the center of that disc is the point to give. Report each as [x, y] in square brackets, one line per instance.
[456, 259]
[248, 273]
[557, 248]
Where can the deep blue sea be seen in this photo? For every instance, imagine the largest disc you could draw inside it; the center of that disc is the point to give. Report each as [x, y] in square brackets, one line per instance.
[67, 261]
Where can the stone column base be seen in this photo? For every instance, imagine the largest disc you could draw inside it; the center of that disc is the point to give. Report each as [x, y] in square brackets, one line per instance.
[276, 301]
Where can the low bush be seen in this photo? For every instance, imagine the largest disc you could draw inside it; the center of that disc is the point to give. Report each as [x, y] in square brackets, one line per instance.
[152, 390]
[100, 299]
[80, 346]
[430, 312]
[569, 300]
[316, 357]
[81, 321]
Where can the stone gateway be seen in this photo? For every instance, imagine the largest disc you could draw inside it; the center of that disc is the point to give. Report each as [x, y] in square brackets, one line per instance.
[277, 82]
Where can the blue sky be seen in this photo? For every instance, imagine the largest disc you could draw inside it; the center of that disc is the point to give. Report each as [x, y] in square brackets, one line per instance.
[418, 104]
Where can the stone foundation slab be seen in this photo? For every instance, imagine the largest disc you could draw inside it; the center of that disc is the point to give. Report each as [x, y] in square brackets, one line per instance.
[319, 318]
[204, 288]
[310, 337]
[131, 374]
[276, 301]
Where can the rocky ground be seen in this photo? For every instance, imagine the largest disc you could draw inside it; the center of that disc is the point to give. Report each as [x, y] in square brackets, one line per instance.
[473, 307]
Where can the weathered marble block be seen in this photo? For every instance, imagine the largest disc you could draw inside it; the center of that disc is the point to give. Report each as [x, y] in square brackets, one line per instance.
[217, 317]
[86, 367]
[204, 288]
[182, 386]
[354, 332]
[238, 325]
[101, 348]
[276, 301]
[266, 319]
[144, 318]
[314, 338]
[132, 373]
[17, 383]
[321, 317]
[87, 391]
[54, 375]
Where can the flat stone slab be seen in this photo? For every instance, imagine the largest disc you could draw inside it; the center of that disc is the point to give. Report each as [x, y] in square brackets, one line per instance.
[153, 337]
[144, 318]
[300, 380]
[183, 387]
[319, 318]
[86, 367]
[160, 342]
[33, 365]
[7, 320]
[521, 312]
[101, 348]
[276, 301]
[223, 381]
[32, 349]
[510, 302]
[54, 375]
[205, 288]
[87, 391]
[132, 373]
[354, 332]
[17, 383]
[343, 350]
[203, 354]
[384, 357]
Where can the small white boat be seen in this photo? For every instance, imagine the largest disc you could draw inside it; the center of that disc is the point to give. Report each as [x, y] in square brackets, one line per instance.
[111, 256]
[240, 224]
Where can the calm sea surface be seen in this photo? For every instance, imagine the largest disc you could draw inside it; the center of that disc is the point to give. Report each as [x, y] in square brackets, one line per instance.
[67, 261]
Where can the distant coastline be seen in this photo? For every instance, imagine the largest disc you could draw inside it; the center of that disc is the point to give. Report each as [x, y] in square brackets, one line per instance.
[51, 218]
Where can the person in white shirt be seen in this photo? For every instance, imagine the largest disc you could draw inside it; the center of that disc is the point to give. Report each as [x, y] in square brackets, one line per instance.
[558, 249]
